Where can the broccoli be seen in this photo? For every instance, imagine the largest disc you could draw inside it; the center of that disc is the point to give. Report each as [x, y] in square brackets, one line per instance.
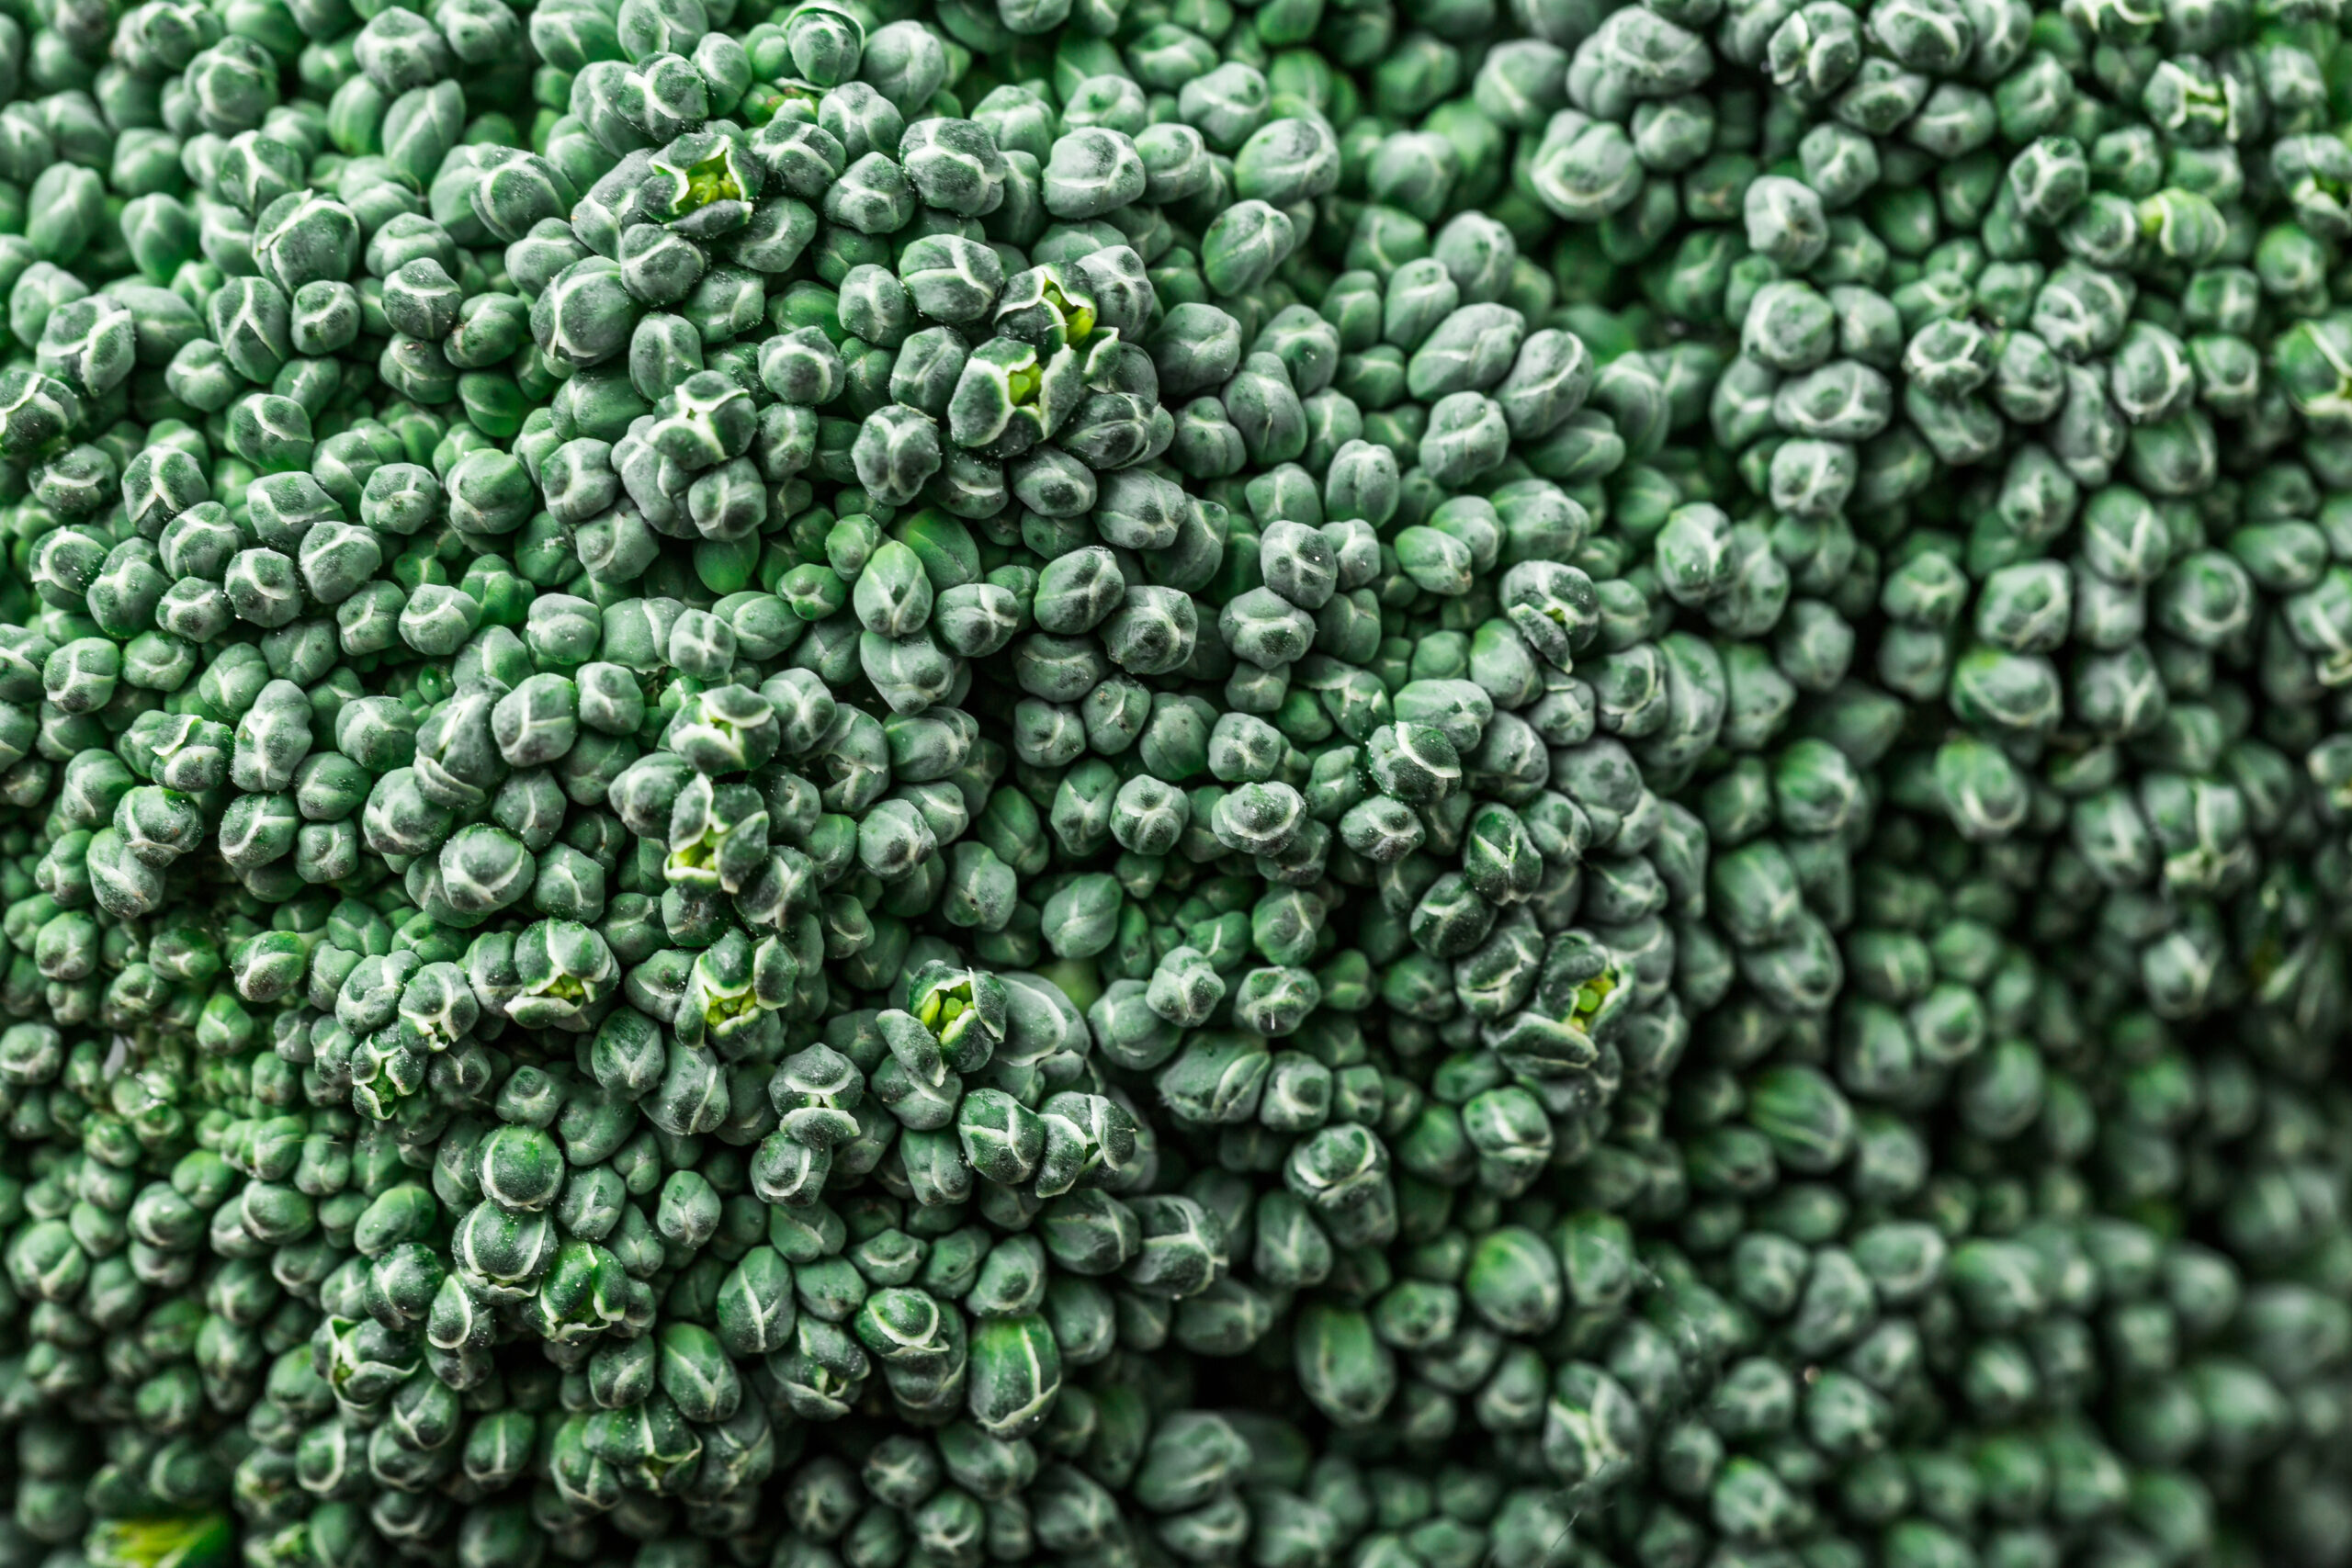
[849, 784]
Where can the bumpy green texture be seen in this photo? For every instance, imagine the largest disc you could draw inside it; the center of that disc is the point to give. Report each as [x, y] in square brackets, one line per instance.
[1125, 783]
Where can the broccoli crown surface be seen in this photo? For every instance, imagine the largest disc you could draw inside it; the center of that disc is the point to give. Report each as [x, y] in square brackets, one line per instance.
[1148, 783]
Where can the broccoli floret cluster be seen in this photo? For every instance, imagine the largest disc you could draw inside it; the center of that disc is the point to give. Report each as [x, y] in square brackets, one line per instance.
[865, 784]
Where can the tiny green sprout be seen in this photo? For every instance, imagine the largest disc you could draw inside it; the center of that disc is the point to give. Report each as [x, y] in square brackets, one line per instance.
[190, 1540]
